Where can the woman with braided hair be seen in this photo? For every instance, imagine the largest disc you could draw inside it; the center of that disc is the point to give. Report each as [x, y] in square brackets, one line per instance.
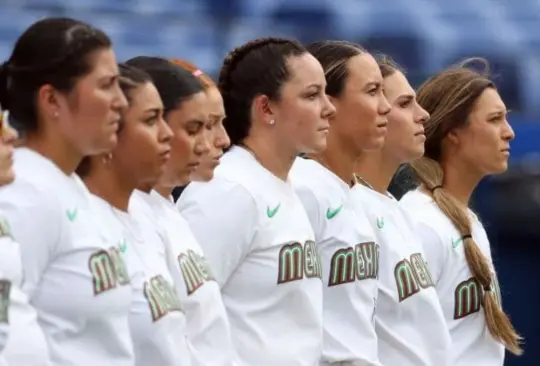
[467, 138]
[248, 219]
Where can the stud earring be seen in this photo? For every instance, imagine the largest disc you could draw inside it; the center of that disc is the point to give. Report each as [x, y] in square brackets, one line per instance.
[272, 121]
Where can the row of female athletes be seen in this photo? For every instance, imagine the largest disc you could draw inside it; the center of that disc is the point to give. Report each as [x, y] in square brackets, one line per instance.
[266, 258]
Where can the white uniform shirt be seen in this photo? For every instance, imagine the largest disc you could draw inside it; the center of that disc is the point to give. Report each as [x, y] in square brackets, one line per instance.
[459, 293]
[26, 345]
[350, 262]
[208, 330]
[68, 266]
[260, 246]
[409, 320]
[157, 317]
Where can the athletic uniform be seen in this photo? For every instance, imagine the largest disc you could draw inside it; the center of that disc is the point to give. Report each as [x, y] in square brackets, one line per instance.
[26, 345]
[409, 322]
[68, 266]
[459, 293]
[157, 318]
[208, 331]
[350, 262]
[260, 246]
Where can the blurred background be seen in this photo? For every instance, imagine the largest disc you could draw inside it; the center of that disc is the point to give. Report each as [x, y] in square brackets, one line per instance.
[424, 36]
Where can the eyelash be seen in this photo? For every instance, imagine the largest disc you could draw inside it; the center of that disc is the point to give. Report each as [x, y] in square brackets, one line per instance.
[373, 91]
[405, 104]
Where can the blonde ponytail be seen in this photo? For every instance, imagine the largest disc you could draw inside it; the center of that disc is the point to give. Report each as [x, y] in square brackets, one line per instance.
[431, 175]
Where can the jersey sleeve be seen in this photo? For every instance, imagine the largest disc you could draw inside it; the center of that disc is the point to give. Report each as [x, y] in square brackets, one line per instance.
[34, 221]
[433, 247]
[223, 217]
[311, 206]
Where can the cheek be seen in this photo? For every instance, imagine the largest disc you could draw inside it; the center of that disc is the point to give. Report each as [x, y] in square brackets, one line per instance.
[181, 146]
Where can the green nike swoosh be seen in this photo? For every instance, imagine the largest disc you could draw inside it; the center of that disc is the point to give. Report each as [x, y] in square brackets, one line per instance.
[272, 212]
[331, 213]
[380, 222]
[455, 243]
[72, 214]
[122, 246]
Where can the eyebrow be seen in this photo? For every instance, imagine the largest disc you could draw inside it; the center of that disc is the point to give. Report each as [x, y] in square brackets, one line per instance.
[501, 112]
[197, 122]
[317, 86]
[406, 97]
[373, 83]
[153, 111]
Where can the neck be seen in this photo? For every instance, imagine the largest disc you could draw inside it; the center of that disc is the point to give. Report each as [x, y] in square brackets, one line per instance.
[276, 159]
[336, 159]
[376, 169]
[107, 183]
[52, 147]
[460, 181]
[163, 191]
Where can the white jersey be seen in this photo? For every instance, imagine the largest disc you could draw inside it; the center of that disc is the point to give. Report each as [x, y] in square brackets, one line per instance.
[260, 246]
[350, 263]
[26, 345]
[68, 266]
[409, 321]
[459, 293]
[208, 331]
[157, 317]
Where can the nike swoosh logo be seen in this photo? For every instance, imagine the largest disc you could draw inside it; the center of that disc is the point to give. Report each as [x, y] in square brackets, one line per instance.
[122, 246]
[455, 243]
[72, 214]
[271, 212]
[331, 213]
[380, 222]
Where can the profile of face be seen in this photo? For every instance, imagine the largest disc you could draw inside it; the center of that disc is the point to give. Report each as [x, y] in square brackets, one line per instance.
[302, 114]
[483, 143]
[8, 136]
[89, 115]
[190, 141]
[362, 108]
[405, 136]
[217, 137]
[144, 142]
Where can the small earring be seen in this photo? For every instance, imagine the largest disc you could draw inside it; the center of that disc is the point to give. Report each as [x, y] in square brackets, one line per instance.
[107, 158]
[272, 121]
[56, 114]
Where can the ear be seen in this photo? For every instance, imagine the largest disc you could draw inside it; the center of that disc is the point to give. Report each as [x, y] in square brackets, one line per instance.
[48, 100]
[264, 109]
[454, 137]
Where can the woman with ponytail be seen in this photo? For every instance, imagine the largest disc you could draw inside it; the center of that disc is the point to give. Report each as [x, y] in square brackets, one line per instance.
[467, 138]
[251, 225]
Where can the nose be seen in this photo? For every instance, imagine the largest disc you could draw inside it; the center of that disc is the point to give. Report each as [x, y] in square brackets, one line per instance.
[508, 132]
[329, 110]
[203, 143]
[165, 133]
[384, 105]
[422, 115]
[222, 140]
[120, 101]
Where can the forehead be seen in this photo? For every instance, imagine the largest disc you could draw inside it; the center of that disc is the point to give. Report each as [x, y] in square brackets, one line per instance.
[144, 97]
[304, 71]
[195, 107]
[488, 102]
[363, 69]
[103, 63]
[397, 85]
[215, 101]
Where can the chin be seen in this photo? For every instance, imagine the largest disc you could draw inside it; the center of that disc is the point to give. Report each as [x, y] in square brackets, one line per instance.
[314, 148]
[7, 177]
[102, 146]
[202, 175]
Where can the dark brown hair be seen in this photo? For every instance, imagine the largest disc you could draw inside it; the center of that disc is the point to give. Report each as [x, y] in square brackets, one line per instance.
[450, 97]
[205, 80]
[256, 68]
[334, 57]
[52, 51]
